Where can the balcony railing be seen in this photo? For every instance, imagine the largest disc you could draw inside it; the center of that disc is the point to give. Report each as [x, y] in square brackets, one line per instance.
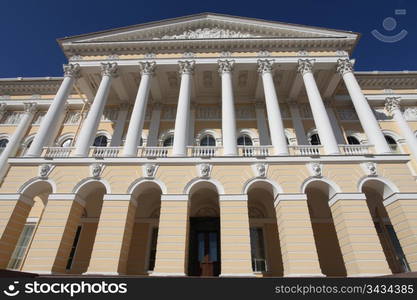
[250, 151]
[207, 151]
[203, 151]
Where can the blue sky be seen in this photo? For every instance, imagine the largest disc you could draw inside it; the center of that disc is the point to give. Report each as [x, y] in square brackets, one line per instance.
[29, 28]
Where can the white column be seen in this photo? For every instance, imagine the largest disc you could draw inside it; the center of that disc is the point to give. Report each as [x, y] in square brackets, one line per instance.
[263, 132]
[392, 105]
[152, 139]
[276, 126]
[89, 127]
[137, 117]
[228, 109]
[366, 116]
[15, 141]
[297, 123]
[333, 120]
[191, 126]
[55, 111]
[183, 109]
[321, 119]
[116, 139]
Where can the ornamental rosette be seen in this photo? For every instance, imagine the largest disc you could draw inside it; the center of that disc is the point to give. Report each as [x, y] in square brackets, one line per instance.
[72, 70]
[147, 67]
[305, 66]
[392, 104]
[109, 69]
[225, 66]
[344, 66]
[265, 66]
[186, 66]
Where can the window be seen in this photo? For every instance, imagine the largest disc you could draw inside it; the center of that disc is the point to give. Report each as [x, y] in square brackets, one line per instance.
[3, 143]
[315, 139]
[152, 254]
[100, 141]
[21, 247]
[73, 248]
[207, 140]
[244, 140]
[257, 249]
[352, 140]
[67, 142]
[169, 141]
[392, 143]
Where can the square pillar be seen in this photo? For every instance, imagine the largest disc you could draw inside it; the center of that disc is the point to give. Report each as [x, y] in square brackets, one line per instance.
[235, 245]
[358, 240]
[402, 211]
[172, 243]
[114, 233]
[55, 234]
[298, 247]
[14, 210]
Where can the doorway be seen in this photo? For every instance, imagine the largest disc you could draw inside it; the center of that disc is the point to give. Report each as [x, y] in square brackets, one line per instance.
[204, 249]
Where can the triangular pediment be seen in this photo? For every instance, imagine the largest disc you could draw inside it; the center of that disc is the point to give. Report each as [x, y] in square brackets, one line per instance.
[205, 27]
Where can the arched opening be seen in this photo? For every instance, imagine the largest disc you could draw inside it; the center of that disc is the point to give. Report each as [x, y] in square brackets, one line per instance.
[315, 139]
[375, 191]
[100, 141]
[168, 141]
[142, 251]
[264, 236]
[353, 140]
[66, 142]
[83, 240]
[327, 243]
[3, 144]
[392, 143]
[244, 140]
[204, 231]
[23, 224]
[207, 140]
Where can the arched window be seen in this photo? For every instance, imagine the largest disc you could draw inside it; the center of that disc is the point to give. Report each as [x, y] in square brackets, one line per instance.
[391, 142]
[244, 140]
[207, 140]
[66, 143]
[353, 141]
[169, 141]
[100, 141]
[3, 143]
[315, 139]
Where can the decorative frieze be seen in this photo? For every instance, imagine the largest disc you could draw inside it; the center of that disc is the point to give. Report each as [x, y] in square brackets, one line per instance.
[206, 33]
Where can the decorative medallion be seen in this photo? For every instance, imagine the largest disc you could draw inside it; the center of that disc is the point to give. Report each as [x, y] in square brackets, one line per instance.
[204, 170]
[316, 169]
[149, 170]
[369, 168]
[45, 170]
[96, 170]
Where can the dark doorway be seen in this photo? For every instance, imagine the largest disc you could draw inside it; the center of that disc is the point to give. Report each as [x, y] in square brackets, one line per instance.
[204, 251]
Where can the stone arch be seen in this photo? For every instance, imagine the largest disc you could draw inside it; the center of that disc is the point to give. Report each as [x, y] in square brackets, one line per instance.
[215, 134]
[143, 181]
[30, 187]
[197, 181]
[251, 133]
[333, 187]
[81, 184]
[389, 187]
[276, 188]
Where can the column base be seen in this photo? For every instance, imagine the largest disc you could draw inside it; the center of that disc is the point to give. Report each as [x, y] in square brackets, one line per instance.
[293, 275]
[161, 274]
[369, 274]
[237, 275]
[102, 273]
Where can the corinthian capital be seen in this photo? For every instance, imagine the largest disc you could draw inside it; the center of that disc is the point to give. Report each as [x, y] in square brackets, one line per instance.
[109, 69]
[72, 70]
[305, 66]
[29, 107]
[392, 104]
[344, 66]
[186, 66]
[147, 67]
[225, 66]
[265, 65]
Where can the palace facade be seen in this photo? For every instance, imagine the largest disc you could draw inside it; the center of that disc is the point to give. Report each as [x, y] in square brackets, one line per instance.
[210, 145]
